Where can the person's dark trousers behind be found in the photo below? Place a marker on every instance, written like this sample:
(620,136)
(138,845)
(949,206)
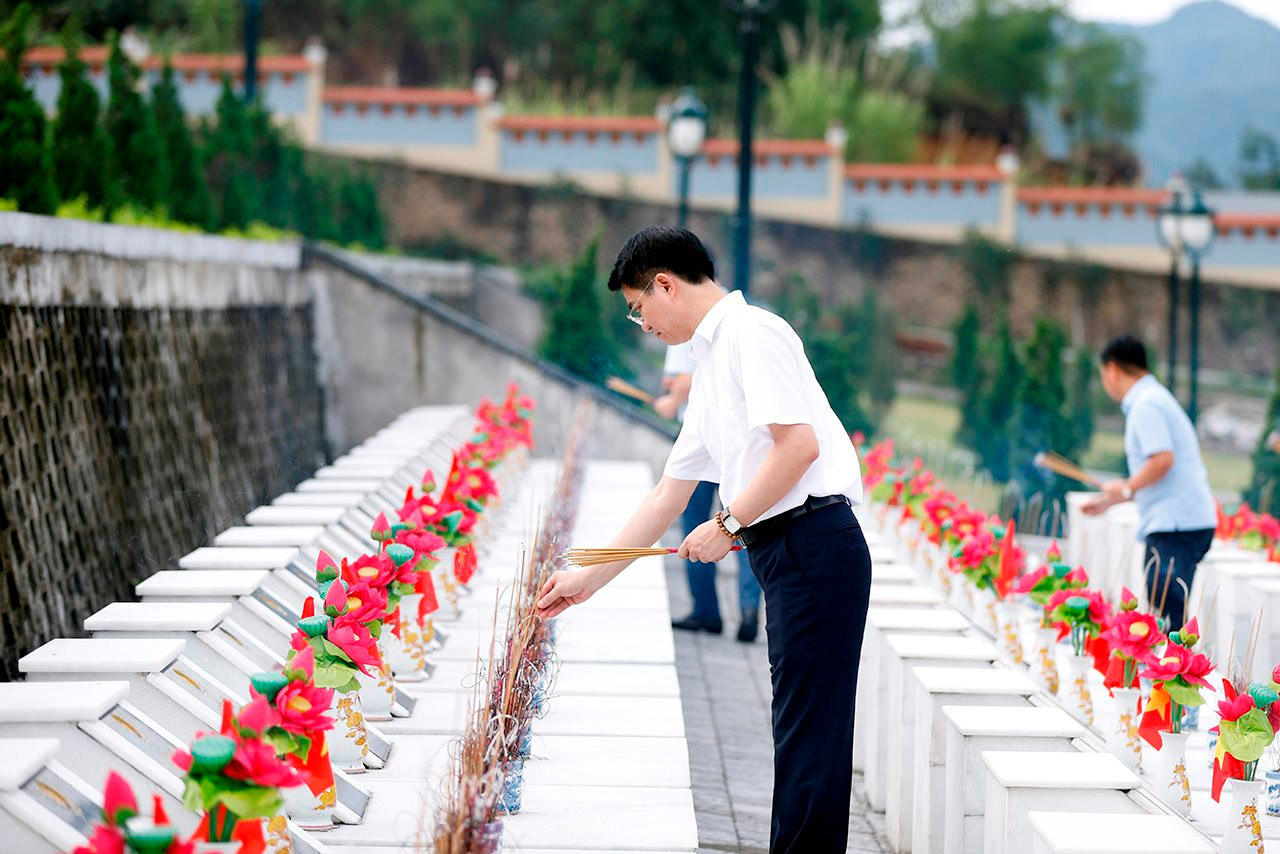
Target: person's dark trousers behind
(1183,551)
(816,576)
(702,576)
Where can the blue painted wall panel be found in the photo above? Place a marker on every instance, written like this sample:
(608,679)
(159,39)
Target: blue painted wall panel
(398,127)
(720,181)
(896,206)
(556,154)
(1069,228)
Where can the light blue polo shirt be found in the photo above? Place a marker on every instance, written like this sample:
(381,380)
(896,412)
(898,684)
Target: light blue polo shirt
(1154,421)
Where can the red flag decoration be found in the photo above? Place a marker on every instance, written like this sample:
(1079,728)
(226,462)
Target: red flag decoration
(464,563)
(1157,717)
(1225,766)
(1008,571)
(309,607)
(1101,652)
(316,769)
(429,603)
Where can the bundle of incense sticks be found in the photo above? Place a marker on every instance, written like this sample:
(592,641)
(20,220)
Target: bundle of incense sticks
(594,557)
(1059,464)
(621,386)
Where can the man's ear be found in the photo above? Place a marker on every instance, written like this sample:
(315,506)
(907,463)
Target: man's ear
(667,282)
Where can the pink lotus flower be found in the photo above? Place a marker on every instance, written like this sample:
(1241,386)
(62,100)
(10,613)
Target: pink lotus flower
(1078,577)
(1233,708)
(377,571)
(302,707)
(381,527)
(257,716)
(256,762)
(1178,661)
(1128,601)
(1025,583)
(304,661)
(118,801)
(105,840)
(1054,554)
(365,603)
(335,598)
(326,567)
(356,643)
(1134,634)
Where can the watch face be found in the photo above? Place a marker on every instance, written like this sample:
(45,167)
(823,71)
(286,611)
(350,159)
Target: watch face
(732,525)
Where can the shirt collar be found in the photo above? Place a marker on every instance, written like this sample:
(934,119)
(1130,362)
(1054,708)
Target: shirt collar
(712,319)
(1130,396)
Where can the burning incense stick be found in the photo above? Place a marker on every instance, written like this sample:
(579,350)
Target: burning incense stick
(621,386)
(1059,464)
(595,557)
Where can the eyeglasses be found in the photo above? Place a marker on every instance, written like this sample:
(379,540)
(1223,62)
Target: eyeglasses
(633,311)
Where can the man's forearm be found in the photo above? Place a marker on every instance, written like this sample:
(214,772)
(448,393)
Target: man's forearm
(782,469)
(655,513)
(1155,468)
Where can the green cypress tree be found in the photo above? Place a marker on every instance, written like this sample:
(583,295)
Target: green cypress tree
(188,191)
(1002,373)
(1040,422)
(26,168)
(575,338)
(138,153)
(228,158)
(1080,403)
(966,373)
(81,147)
(1264,490)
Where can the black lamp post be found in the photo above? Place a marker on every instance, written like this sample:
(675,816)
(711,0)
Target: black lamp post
(686,131)
(1168,233)
(252,13)
(1186,229)
(751,12)
(1197,230)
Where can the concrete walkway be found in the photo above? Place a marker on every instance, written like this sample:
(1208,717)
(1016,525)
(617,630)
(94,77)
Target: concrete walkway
(724,686)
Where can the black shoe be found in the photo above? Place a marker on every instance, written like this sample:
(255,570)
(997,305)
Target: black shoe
(694,624)
(750,626)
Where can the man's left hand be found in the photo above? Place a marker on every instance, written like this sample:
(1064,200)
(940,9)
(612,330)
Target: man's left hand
(1114,489)
(705,543)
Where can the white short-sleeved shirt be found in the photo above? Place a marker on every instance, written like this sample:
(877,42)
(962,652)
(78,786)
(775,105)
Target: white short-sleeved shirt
(679,360)
(752,372)
(1154,421)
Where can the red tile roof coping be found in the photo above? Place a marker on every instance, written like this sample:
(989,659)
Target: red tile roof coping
(96,55)
(400,95)
(920,172)
(598,124)
(768,148)
(1248,223)
(1091,196)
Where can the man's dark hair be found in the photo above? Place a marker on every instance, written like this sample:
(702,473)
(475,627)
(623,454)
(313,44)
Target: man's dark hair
(1127,352)
(661,249)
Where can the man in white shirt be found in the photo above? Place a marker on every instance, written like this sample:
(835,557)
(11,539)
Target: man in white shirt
(759,424)
(677,380)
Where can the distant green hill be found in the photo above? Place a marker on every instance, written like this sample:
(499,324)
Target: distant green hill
(1215,70)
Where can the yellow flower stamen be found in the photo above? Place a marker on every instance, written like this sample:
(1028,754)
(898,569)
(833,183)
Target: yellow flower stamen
(299,704)
(1139,630)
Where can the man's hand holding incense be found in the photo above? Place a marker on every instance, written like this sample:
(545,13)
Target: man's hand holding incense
(568,587)
(705,543)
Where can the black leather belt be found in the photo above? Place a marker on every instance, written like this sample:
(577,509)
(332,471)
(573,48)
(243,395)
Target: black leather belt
(775,525)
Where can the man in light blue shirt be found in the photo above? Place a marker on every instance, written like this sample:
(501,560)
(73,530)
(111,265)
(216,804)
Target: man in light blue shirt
(1167,477)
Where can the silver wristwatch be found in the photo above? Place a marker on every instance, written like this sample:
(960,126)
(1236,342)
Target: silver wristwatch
(732,525)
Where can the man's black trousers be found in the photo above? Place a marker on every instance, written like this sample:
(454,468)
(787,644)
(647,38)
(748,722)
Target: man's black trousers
(816,575)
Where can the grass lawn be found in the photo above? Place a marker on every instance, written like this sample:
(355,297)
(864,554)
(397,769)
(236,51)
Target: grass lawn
(927,427)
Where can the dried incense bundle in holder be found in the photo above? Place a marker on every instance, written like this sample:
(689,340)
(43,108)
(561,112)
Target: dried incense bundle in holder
(595,557)
(1060,465)
(621,386)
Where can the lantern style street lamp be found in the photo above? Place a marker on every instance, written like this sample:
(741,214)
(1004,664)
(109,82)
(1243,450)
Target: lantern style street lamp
(1186,229)
(686,131)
